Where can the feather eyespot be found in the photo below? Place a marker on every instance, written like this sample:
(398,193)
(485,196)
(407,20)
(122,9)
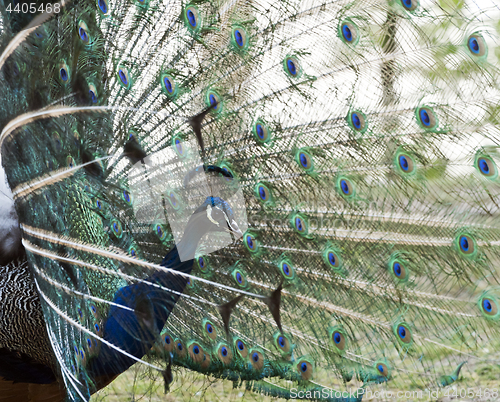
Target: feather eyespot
(192,18)
(76,138)
(305,369)
(263,193)
(239,38)
(196,353)
(357,121)
(241,348)
(168,343)
(345,187)
(210,330)
(382,369)
(94,311)
(405,163)
(214,101)
(283,344)
(426,118)
(225,354)
(466,245)
(349,32)
(126,197)
(133,251)
(178,145)
(64,73)
(180,350)
(202,263)
(261,132)
(257,359)
(70,162)
(338,339)
(206,361)
(300,225)
(409,5)
(287,270)
(489,307)
(477,45)
(305,160)
(332,259)
(83,32)
(92,347)
(116,227)
(250,242)
(487,167)
(160,232)
(93,93)
(240,278)
(83,358)
(227,173)
(398,270)
(103,6)
(403,333)
(292,67)
(169,85)
(124,77)
(98,329)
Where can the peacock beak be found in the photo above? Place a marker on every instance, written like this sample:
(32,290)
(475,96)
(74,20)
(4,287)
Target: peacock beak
(234,229)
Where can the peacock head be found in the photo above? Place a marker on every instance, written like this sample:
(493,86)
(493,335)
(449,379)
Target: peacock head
(215,215)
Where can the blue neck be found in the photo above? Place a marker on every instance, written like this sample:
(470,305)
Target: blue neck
(126,329)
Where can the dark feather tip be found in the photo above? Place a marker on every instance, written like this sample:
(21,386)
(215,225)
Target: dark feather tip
(226,310)
(196,122)
(273,303)
(168,376)
(133,151)
(94,169)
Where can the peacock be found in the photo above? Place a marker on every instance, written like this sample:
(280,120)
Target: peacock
(297,198)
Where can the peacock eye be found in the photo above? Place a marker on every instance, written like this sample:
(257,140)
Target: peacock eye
(83,32)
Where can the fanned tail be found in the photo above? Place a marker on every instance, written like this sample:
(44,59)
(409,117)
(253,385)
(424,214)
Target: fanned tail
(355,144)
